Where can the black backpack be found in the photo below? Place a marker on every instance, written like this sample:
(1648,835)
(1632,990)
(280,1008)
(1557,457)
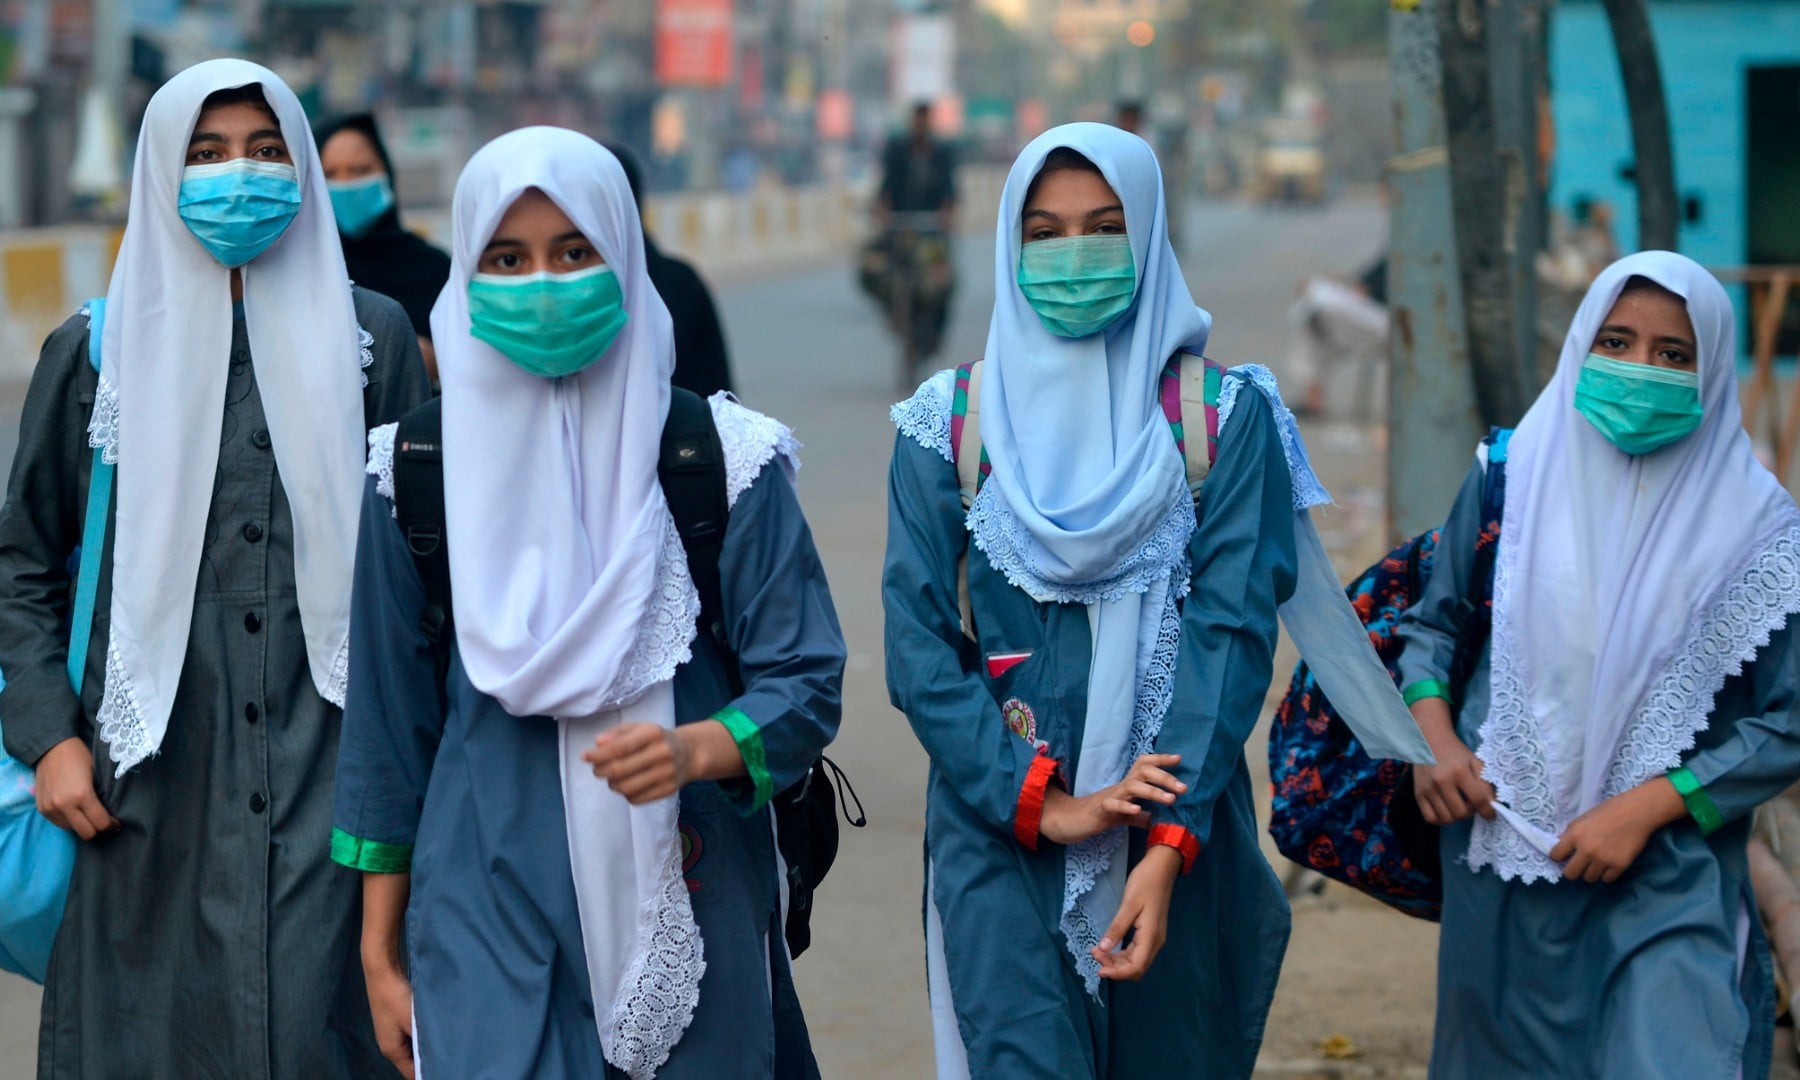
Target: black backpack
(691,467)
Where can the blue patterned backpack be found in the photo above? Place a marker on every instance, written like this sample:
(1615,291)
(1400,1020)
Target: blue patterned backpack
(1338,811)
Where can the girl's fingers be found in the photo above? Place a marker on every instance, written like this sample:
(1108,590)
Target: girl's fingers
(1148,774)
(1138,789)
(1563,849)
(1119,807)
(1577,866)
(1612,874)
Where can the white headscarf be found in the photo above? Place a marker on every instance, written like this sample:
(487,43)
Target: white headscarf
(1628,588)
(165,348)
(570,584)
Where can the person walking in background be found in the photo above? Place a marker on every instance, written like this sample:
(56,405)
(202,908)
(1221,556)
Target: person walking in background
(1634,703)
(918,174)
(1097,904)
(379,253)
(702,365)
(563,795)
(206,932)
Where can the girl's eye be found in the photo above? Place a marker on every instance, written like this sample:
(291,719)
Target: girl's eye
(1676,357)
(1612,343)
(577,254)
(507,261)
(1107,228)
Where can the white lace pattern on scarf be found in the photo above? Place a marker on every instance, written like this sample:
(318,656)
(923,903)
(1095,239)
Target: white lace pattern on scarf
(1085,862)
(660,989)
(381,459)
(1308,491)
(751,440)
(1759,600)
(121,718)
(925,417)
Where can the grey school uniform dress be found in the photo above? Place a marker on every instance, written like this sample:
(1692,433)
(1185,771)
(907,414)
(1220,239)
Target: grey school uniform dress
(436,778)
(1020,1006)
(1665,973)
(212,936)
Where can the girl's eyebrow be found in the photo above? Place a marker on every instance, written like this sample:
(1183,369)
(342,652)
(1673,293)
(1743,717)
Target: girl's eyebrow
(1115,209)
(1040,212)
(1672,339)
(1615,328)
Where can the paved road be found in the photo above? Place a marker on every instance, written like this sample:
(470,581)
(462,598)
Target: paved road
(809,349)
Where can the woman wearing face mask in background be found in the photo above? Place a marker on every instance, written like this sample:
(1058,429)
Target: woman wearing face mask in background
(575,823)
(380,253)
(1634,703)
(206,931)
(1096,901)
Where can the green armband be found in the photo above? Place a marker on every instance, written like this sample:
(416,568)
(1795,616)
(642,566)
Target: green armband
(1423,689)
(1700,805)
(370,856)
(749,741)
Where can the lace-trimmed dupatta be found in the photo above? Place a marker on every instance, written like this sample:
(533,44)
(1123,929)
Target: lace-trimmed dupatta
(161,403)
(1628,588)
(571,588)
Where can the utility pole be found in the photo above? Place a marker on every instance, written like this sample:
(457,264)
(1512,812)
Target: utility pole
(1433,422)
(1635,42)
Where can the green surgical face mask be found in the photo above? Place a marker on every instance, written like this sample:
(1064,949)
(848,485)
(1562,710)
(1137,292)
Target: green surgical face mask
(1078,285)
(1638,407)
(548,324)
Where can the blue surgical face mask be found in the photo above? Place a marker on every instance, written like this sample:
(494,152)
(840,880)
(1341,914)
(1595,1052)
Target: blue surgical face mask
(1078,285)
(360,203)
(1638,407)
(237,208)
(548,324)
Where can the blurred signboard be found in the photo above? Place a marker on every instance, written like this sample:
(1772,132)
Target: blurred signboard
(923,58)
(693,43)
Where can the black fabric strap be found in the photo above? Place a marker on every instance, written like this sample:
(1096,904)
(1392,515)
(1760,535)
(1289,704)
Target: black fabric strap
(419,507)
(692,470)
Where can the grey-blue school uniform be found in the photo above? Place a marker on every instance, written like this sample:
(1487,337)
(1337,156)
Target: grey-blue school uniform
(437,778)
(1666,972)
(1021,1009)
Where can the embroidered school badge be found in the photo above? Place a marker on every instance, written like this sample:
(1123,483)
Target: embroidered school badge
(1020,720)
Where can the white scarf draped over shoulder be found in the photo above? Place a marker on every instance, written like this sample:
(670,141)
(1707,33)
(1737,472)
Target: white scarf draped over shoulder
(1627,588)
(165,355)
(572,595)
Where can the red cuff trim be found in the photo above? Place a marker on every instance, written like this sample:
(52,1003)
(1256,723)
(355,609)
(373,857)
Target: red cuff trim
(1030,814)
(1178,838)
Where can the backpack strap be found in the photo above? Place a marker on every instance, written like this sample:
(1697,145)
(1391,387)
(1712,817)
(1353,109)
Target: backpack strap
(691,467)
(419,508)
(93,529)
(1192,390)
(972,464)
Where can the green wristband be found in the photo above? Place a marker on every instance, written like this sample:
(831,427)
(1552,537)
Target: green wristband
(1425,688)
(1700,805)
(370,856)
(749,741)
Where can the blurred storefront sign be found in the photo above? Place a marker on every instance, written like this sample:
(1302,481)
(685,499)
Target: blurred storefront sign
(923,58)
(693,43)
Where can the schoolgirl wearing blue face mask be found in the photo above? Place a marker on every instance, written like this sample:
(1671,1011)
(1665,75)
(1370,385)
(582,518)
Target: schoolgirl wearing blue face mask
(1121,521)
(1632,704)
(379,251)
(189,762)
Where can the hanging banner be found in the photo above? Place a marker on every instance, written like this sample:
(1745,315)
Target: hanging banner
(923,58)
(693,43)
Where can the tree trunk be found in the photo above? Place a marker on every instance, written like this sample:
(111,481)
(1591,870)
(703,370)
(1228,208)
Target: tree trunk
(1485,193)
(1658,212)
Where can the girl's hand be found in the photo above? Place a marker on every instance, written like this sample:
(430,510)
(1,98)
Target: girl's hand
(1453,789)
(1069,819)
(1144,914)
(1603,843)
(643,762)
(390,1006)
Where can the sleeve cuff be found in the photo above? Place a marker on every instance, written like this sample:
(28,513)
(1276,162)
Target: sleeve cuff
(1030,814)
(1700,805)
(748,736)
(370,856)
(1178,838)
(1425,688)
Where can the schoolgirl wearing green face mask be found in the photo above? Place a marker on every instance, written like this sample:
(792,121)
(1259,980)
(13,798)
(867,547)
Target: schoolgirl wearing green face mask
(1124,509)
(1633,704)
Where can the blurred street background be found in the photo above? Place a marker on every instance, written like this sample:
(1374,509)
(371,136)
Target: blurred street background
(1393,205)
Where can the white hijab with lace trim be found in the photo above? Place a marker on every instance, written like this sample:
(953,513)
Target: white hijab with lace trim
(571,587)
(1628,588)
(161,403)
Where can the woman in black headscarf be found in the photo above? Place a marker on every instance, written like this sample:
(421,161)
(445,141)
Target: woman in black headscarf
(379,254)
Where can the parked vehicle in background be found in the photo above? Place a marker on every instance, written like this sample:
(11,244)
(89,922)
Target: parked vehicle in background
(1290,162)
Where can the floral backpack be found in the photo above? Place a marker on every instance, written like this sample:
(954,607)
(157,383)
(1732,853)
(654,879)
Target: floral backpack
(1338,811)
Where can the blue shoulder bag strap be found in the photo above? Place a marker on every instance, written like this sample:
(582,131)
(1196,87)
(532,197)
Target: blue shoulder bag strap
(93,530)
